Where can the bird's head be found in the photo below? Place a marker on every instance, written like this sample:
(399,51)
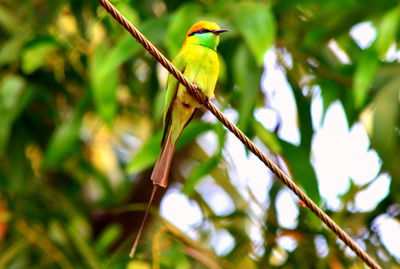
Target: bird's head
(205,33)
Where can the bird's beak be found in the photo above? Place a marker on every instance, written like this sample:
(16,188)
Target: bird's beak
(217,32)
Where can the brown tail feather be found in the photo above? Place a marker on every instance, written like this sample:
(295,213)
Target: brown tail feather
(135,244)
(161,169)
(159,177)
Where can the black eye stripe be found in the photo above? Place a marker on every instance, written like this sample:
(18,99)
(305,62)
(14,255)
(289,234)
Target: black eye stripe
(201,31)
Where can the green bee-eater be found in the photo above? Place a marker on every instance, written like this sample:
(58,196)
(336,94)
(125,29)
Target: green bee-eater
(198,61)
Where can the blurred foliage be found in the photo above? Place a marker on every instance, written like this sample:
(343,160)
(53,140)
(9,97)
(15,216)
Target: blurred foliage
(80,118)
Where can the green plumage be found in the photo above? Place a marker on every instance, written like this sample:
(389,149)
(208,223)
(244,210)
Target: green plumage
(198,61)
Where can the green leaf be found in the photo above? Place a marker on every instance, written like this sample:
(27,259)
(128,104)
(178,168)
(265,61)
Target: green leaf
(221,133)
(104,75)
(364,76)
(303,105)
(268,138)
(104,82)
(65,139)
(81,243)
(154,29)
(11,89)
(35,54)
(298,157)
(206,167)
(180,23)
(247,77)
(14,96)
(200,171)
(128,11)
(385,136)
(175,257)
(148,153)
(121,52)
(387,31)
(10,49)
(330,92)
(193,130)
(298,161)
(63,143)
(107,238)
(257,25)
(8,20)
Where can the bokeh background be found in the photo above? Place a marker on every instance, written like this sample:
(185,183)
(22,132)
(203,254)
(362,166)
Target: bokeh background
(314,83)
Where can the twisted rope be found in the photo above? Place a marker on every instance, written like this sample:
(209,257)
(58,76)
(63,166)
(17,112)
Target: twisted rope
(194,90)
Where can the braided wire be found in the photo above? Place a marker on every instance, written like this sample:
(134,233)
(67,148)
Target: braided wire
(194,90)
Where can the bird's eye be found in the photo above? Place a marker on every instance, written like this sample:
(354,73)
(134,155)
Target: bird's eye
(201,31)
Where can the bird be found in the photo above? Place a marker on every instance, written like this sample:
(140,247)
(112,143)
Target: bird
(198,61)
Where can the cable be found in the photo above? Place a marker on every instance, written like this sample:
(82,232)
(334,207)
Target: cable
(194,90)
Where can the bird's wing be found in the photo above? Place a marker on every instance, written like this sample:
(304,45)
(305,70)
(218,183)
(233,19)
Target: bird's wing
(172,88)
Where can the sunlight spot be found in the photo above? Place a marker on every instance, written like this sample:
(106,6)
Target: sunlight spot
(389,231)
(267,117)
(364,164)
(393,54)
(330,145)
(321,246)
(368,199)
(222,242)
(208,142)
(180,211)
(256,235)
(216,198)
(316,107)
(280,97)
(339,52)
(364,34)
(340,154)
(287,210)
(246,171)
(287,243)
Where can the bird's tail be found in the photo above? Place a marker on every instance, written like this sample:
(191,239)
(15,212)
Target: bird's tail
(161,169)
(159,177)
